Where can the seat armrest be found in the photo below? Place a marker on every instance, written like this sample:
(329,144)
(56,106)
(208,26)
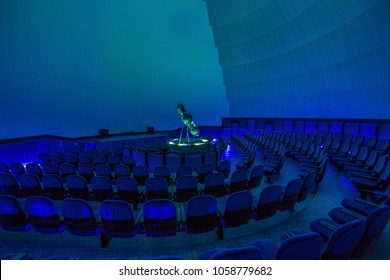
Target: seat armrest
(328,225)
(353,213)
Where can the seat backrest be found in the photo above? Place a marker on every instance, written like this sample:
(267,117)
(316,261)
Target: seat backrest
(256,176)
(194,159)
(376,221)
(370,143)
(127,189)
(159,218)
(225,167)
(4,168)
(290,194)
(156,187)
(344,239)
(155,159)
(17,169)
(201,214)
(244,253)
(30,184)
(79,217)
(50,168)
(103,170)
(52,181)
(67,169)
(8,184)
(214,184)
(139,155)
(43,214)
(306,246)
(186,182)
(117,218)
(268,201)
(77,186)
(122,170)
(12,215)
(238,209)
(162,171)
(383,146)
(308,184)
(363,154)
(204,170)
(359,140)
(184,169)
(238,180)
(173,160)
(34,168)
(101,188)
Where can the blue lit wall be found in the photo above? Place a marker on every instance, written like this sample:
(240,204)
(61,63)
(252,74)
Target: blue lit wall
(304,58)
(72,67)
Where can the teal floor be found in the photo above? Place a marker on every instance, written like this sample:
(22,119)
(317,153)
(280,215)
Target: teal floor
(332,190)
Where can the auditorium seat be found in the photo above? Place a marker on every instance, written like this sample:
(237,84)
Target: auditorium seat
(268,202)
(17,169)
(225,167)
(127,190)
(121,170)
(113,160)
(44,157)
(34,168)
(383,146)
(129,161)
(98,159)
(214,184)
(340,239)
(255,177)
(163,171)
(290,194)
(365,206)
(238,180)
(79,217)
(86,170)
(30,184)
(204,170)
(194,159)
(237,210)
(77,187)
(376,220)
(50,168)
(186,187)
(200,215)
(54,186)
(101,187)
(308,184)
(184,169)
(305,246)
(159,218)
(67,169)
(173,160)
(156,187)
(9,185)
(85,158)
(43,214)
(380,182)
(117,220)
(12,215)
(4,168)
(141,174)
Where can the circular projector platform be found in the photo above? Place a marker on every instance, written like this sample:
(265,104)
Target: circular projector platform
(188,145)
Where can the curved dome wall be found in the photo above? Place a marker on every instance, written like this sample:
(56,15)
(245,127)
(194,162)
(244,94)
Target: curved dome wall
(304,58)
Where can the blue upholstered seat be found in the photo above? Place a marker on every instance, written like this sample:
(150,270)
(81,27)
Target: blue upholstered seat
(43,214)
(305,246)
(12,215)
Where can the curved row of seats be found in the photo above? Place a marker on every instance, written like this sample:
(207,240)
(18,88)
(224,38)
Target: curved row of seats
(185,183)
(140,156)
(158,217)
